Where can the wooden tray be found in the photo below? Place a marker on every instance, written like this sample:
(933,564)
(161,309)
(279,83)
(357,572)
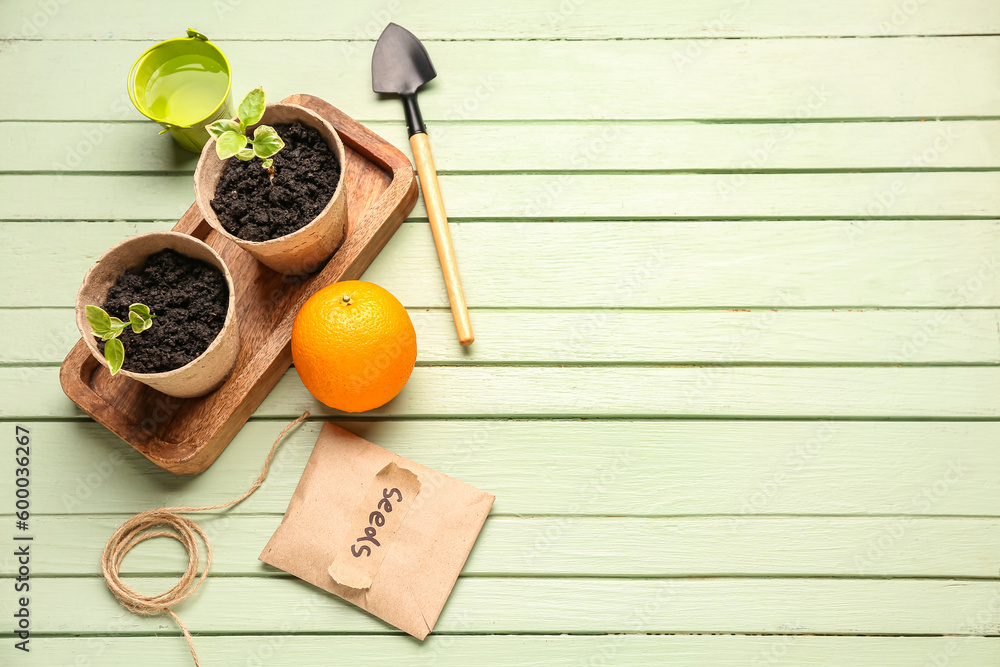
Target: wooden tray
(184,436)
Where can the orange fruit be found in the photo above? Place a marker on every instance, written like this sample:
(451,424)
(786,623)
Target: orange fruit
(353,345)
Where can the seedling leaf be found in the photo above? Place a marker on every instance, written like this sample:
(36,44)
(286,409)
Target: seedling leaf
(267,162)
(266,141)
(114,352)
(229,144)
(141,309)
(98,319)
(220,127)
(245,154)
(251,109)
(138,324)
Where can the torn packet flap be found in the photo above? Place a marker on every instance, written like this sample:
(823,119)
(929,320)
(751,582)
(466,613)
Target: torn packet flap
(390,498)
(383,532)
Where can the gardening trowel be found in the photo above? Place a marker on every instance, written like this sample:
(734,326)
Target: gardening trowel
(401,65)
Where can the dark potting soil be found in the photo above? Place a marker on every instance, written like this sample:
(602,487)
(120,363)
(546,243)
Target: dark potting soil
(189,298)
(252,207)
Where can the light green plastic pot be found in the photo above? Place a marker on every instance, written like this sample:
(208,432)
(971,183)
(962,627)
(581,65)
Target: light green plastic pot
(183,84)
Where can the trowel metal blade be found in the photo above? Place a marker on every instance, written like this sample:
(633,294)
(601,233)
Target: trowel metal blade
(400,63)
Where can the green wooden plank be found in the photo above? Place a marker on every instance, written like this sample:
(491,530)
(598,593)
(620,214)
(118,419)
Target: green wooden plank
(943,392)
(575,195)
(955,336)
(707,264)
(600,468)
(235,19)
(578,145)
(570,606)
(907,77)
(758,392)
(530,651)
(902,546)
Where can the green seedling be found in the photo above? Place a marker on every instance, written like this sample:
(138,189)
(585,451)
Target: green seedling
(108,329)
(231,138)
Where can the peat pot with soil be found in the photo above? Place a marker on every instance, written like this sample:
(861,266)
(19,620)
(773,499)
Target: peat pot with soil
(272,181)
(160,308)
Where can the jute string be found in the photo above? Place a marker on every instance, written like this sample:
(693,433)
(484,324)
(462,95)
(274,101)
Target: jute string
(140,527)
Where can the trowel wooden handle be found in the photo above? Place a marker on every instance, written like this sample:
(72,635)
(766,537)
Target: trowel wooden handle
(442,237)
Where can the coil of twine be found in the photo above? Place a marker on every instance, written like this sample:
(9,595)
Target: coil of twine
(165,522)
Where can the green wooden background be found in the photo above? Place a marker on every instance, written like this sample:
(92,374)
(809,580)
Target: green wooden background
(733,269)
